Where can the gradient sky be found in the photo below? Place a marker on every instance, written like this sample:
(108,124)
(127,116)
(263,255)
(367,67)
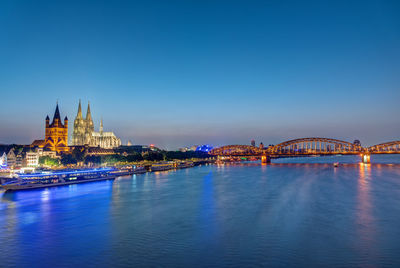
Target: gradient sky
(177,73)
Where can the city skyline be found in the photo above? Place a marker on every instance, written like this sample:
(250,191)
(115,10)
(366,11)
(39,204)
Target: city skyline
(181,74)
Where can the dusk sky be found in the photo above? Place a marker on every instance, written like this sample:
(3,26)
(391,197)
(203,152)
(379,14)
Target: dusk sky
(178,73)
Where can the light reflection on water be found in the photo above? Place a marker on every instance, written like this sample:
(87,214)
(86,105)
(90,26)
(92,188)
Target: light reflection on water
(283,214)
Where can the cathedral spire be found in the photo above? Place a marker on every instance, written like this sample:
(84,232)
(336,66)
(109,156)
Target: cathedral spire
(79,115)
(89,122)
(88,114)
(101,125)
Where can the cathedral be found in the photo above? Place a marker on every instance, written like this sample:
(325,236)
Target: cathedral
(84,133)
(56,135)
(83,127)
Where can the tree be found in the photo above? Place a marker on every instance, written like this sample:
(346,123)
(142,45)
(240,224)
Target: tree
(112,159)
(153,156)
(135,157)
(68,159)
(79,154)
(48,161)
(93,159)
(171,155)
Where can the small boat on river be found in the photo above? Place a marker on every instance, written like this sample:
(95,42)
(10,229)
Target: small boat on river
(163,166)
(186,164)
(139,170)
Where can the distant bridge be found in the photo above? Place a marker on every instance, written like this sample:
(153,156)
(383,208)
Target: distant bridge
(307,147)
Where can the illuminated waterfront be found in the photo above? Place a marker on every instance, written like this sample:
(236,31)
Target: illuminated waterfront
(308,213)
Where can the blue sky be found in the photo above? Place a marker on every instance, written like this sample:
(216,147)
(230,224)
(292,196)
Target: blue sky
(178,73)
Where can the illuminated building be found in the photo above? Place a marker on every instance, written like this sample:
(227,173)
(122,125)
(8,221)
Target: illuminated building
(11,158)
(31,159)
(99,151)
(3,161)
(204,148)
(102,139)
(84,133)
(56,136)
(38,143)
(23,156)
(83,127)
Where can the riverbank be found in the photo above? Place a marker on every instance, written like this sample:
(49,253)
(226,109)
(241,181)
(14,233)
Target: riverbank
(162,166)
(125,170)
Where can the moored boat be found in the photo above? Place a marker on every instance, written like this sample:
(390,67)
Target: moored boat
(186,164)
(58,178)
(139,170)
(162,166)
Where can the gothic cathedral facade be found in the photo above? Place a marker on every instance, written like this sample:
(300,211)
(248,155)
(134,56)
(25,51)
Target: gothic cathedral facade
(84,133)
(83,127)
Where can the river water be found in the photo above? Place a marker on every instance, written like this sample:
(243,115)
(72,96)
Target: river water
(304,214)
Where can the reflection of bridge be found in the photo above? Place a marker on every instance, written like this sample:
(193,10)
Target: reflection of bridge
(307,147)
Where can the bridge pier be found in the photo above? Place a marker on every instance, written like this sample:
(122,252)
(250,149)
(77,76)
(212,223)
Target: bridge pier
(366,158)
(265,159)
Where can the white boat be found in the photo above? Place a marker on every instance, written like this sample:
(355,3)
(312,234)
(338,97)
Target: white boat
(58,178)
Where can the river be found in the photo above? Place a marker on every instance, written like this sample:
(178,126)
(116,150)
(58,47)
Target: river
(300,212)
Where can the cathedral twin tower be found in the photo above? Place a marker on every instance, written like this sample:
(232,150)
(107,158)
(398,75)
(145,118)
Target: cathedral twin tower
(83,127)
(84,133)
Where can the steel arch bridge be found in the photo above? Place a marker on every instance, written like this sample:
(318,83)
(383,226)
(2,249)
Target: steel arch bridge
(391,147)
(307,147)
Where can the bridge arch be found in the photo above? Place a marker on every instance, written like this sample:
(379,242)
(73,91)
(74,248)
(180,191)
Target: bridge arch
(387,147)
(314,145)
(237,150)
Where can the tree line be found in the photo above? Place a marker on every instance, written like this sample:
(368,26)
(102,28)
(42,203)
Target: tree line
(78,156)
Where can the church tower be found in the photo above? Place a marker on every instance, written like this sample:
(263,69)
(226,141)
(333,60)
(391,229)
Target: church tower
(83,127)
(56,133)
(101,126)
(89,126)
(78,135)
